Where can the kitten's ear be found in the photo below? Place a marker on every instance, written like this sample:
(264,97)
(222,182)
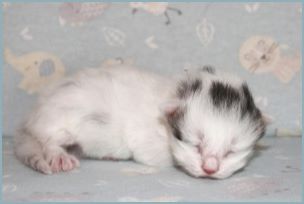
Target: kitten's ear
(267,119)
(170,108)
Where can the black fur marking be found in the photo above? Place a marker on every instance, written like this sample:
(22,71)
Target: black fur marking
(261,129)
(248,106)
(223,95)
(186,88)
(182,90)
(208,68)
(177,133)
(196,86)
(174,122)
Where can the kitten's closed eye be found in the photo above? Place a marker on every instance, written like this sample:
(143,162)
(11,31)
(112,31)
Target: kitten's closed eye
(228,153)
(199,148)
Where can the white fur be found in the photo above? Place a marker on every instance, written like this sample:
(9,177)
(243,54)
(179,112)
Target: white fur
(117,112)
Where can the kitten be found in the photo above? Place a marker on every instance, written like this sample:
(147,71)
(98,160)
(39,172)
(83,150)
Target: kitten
(203,121)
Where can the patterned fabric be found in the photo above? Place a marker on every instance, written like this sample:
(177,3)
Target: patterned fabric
(261,42)
(274,176)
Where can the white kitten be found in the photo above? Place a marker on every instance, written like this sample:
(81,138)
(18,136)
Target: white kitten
(204,122)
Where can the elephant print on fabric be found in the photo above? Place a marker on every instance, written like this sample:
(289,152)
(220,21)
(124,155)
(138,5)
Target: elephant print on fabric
(37,68)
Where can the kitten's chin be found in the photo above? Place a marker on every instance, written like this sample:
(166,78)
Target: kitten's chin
(227,173)
(191,172)
(220,176)
(203,175)
(213,176)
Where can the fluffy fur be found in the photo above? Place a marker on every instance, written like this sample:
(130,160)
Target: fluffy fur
(203,121)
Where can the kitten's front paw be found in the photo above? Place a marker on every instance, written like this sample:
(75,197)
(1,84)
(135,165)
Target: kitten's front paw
(39,164)
(63,162)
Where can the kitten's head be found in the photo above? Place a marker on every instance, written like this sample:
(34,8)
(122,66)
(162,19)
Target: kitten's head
(214,123)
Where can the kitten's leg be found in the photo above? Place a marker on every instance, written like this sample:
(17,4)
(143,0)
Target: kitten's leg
(29,151)
(46,157)
(99,139)
(152,148)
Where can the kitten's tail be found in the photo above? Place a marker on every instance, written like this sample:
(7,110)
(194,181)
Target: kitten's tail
(29,151)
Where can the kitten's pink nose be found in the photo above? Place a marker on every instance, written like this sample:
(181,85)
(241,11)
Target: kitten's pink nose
(210,165)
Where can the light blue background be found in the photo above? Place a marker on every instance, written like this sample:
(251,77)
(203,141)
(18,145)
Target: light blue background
(178,46)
